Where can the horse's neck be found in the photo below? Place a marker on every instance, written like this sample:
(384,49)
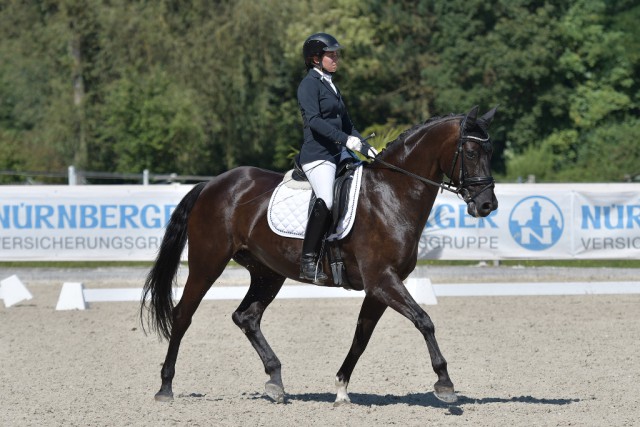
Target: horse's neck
(433,149)
(424,150)
(426,153)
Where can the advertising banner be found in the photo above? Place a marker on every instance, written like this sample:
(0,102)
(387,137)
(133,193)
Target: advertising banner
(539,221)
(90,223)
(533,221)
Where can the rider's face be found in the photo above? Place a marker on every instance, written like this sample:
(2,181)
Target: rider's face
(330,61)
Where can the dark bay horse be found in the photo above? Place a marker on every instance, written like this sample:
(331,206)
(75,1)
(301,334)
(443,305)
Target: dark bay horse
(226,219)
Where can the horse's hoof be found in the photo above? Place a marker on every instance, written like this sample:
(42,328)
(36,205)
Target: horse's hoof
(164,397)
(445,394)
(342,397)
(446,397)
(274,391)
(341,402)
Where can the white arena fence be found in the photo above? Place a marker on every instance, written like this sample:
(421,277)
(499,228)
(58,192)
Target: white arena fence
(74,295)
(126,223)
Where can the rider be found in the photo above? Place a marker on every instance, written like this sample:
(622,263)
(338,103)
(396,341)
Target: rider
(327,130)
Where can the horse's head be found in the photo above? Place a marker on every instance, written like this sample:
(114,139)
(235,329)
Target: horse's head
(471,166)
(457,146)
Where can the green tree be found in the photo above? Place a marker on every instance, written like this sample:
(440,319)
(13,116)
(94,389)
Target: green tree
(199,87)
(151,124)
(598,89)
(503,54)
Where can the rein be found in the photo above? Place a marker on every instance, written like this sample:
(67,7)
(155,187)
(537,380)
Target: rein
(442,185)
(465,181)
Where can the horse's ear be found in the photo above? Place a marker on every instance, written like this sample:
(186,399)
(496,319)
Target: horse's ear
(472,115)
(488,116)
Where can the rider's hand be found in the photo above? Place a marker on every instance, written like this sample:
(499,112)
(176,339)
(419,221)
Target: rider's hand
(369,151)
(354,143)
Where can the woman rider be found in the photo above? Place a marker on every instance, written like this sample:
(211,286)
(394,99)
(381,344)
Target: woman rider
(327,130)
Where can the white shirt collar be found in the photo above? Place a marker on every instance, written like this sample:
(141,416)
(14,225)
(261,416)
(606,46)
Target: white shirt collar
(327,77)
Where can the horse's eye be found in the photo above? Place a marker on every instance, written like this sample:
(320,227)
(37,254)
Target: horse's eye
(470,154)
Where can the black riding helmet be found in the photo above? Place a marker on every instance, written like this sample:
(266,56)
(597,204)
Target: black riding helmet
(316,45)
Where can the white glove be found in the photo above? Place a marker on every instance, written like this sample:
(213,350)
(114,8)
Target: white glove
(372,152)
(354,143)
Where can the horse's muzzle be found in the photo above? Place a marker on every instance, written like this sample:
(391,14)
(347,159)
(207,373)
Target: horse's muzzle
(483,209)
(482,202)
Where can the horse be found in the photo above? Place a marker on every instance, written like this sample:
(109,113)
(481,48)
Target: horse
(226,218)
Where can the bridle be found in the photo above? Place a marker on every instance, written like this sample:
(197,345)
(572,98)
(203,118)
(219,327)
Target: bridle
(465,181)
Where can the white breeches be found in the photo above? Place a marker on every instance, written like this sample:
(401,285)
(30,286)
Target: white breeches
(321,175)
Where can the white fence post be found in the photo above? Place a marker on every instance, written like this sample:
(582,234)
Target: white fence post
(73,179)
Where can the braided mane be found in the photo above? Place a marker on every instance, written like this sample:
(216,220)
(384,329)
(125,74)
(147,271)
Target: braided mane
(428,123)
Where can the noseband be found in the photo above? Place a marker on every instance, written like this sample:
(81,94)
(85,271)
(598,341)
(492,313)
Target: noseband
(465,182)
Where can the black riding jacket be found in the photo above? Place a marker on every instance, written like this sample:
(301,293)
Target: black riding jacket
(326,122)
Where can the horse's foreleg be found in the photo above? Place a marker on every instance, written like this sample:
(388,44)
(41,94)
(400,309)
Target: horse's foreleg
(182,315)
(398,298)
(370,312)
(247,317)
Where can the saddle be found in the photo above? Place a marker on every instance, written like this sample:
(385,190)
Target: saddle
(341,188)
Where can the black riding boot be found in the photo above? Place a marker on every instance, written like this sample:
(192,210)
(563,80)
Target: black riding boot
(316,229)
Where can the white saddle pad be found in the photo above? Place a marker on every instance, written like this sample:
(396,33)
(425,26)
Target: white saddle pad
(289,207)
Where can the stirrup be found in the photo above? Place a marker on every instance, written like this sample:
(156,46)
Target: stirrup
(317,278)
(309,271)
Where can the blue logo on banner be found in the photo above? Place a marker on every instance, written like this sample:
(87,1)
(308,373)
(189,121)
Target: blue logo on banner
(536,223)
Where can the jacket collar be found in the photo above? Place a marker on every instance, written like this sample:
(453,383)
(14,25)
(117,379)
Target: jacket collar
(314,72)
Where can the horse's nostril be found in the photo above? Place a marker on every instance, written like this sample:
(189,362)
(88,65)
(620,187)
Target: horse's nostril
(485,209)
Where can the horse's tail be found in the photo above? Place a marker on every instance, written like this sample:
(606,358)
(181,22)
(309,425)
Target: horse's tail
(160,280)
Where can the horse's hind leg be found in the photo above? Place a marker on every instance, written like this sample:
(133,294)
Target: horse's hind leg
(265,285)
(195,289)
